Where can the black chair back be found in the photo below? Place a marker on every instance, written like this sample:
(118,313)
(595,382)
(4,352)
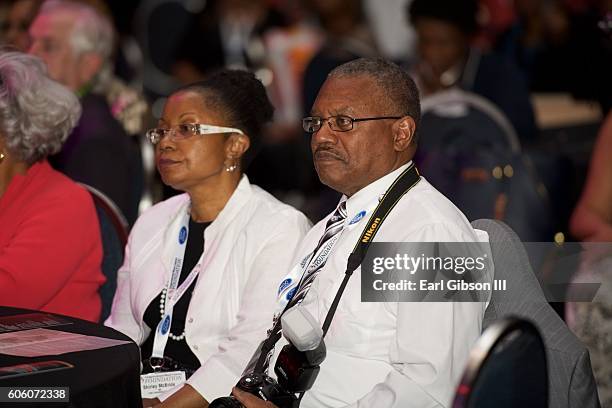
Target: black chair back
(114,230)
(507,368)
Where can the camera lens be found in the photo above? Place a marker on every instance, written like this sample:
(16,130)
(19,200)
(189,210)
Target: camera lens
(226,402)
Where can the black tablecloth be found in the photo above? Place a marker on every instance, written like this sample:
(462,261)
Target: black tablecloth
(108,377)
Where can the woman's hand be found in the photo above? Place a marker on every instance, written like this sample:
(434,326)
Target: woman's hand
(251,401)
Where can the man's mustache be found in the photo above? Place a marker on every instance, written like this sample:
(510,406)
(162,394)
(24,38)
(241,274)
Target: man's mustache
(327,151)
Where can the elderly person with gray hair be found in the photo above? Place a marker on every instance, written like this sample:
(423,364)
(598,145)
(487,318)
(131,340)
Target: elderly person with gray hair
(76,43)
(50,247)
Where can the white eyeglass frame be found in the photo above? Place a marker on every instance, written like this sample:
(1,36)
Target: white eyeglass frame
(199,129)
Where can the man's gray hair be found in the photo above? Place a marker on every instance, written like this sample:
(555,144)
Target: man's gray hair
(36,113)
(92,32)
(396,84)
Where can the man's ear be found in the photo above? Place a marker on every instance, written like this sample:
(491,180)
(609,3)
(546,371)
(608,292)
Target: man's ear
(236,145)
(403,133)
(90,64)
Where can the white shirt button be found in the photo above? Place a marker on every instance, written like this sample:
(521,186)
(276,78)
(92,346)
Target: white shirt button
(195,346)
(190,320)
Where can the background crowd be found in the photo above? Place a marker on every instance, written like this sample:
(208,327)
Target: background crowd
(545,64)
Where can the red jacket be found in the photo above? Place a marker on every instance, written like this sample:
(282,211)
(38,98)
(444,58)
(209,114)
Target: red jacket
(50,245)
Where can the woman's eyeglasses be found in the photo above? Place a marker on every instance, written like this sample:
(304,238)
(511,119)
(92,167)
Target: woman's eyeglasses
(186,130)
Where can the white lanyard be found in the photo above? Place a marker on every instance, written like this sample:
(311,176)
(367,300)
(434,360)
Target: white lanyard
(289,284)
(173,294)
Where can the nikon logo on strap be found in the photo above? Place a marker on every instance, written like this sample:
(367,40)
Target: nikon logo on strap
(370,231)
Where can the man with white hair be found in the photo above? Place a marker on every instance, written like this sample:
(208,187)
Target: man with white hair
(76,43)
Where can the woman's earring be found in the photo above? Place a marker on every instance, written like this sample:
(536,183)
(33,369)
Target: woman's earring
(1,157)
(231,167)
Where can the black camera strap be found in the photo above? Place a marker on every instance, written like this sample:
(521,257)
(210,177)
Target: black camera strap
(402,184)
(408,179)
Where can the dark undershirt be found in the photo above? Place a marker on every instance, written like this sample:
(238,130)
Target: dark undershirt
(178,350)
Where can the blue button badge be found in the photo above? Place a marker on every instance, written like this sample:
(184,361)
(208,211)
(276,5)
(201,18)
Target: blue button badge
(165,325)
(284,285)
(183,235)
(291,293)
(358,217)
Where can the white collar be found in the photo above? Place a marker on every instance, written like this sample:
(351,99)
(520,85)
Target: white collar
(367,198)
(239,198)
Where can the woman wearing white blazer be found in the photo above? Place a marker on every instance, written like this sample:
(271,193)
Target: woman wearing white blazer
(201,269)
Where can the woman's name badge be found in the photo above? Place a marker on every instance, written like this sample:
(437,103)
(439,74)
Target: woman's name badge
(154,384)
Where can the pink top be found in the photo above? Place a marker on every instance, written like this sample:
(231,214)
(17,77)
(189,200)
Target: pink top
(50,245)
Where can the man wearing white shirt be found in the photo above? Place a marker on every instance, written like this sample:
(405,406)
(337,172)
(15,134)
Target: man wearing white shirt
(400,354)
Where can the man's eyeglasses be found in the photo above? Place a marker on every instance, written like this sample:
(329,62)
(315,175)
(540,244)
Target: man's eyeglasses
(186,130)
(339,123)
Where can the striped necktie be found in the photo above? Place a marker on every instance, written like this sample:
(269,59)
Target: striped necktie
(317,261)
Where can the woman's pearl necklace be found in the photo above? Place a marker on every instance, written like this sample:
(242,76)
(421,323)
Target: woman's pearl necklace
(162,310)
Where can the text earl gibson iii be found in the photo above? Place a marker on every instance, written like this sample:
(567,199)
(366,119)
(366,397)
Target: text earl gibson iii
(442,285)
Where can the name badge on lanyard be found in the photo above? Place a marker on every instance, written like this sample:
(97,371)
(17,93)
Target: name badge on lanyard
(154,384)
(174,293)
(290,283)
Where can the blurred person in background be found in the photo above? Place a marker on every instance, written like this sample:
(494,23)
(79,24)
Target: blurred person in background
(127,104)
(226,33)
(346,36)
(50,245)
(239,236)
(115,80)
(76,43)
(592,222)
(18,20)
(445,29)
(592,218)
(551,43)
(221,34)
(494,18)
